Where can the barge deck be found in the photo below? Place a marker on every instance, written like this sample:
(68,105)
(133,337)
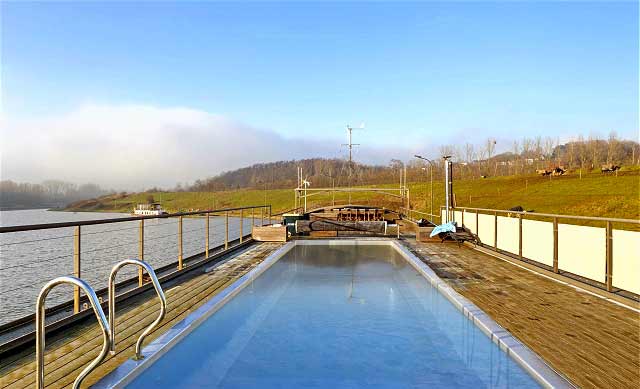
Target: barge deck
(593,342)
(590,340)
(65,357)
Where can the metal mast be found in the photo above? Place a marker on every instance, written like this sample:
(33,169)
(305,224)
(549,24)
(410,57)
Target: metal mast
(350,145)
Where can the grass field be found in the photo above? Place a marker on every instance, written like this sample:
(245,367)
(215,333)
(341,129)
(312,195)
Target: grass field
(594,194)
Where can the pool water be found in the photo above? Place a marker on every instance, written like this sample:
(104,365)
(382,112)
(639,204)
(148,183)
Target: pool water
(336,317)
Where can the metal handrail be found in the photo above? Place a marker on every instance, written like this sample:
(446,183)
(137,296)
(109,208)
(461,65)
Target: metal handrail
(32,227)
(112,303)
(40,328)
(574,217)
(409,211)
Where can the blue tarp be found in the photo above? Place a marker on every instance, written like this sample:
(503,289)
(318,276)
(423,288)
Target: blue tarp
(446,227)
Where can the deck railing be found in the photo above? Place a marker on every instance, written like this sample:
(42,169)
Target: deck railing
(416,215)
(89,249)
(589,248)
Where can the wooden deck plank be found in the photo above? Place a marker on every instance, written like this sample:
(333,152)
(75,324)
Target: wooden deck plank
(593,342)
(64,359)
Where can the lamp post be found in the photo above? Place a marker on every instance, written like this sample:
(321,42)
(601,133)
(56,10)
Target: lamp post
(333,188)
(306,184)
(431,179)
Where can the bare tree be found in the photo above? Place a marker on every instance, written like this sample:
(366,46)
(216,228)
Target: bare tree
(490,146)
(516,154)
(583,153)
(594,153)
(549,144)
(571,152)
(468,157)
(468,152)
(538,146)
(613,148)
(527,145)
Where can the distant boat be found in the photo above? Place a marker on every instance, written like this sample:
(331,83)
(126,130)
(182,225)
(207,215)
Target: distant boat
(153,209)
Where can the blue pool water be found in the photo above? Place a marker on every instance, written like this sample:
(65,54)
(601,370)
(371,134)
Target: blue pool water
(336,317)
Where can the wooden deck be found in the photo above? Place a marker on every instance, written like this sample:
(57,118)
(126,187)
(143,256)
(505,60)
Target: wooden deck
(67,356)
(593,342)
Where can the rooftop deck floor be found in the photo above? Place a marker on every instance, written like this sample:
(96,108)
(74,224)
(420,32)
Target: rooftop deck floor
(66,356)
(591,341)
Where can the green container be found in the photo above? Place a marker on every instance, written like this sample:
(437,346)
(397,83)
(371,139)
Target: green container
(290,221)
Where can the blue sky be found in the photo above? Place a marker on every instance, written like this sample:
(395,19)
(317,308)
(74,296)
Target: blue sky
(418,74)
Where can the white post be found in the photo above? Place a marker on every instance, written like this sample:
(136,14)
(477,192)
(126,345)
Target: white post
(447,184)
(446,190)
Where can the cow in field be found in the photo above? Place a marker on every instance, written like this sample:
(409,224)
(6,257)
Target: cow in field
(609,168)
(543,172)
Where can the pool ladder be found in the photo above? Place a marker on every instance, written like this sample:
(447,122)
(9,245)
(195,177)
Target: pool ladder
(107,328)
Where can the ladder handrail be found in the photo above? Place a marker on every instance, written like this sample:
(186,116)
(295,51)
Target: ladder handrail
(40,327)
(112,302)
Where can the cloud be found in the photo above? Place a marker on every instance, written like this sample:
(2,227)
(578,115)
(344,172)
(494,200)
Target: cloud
(137,146)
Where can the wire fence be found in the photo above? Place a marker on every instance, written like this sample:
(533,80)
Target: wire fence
(31,258)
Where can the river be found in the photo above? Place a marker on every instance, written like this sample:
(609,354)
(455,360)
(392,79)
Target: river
(29,259)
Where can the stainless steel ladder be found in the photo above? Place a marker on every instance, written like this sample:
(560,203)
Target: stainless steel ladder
(107,326)
(112,303)
(40,328)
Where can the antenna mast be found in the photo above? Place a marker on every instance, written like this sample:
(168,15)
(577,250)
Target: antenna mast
(350,145)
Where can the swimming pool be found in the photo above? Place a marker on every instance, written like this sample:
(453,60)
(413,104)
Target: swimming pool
(345,314)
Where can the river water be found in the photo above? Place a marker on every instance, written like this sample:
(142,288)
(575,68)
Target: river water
(29,259)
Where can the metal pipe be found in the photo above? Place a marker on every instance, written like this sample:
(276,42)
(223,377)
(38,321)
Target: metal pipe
(76,269)
(555,245)
(112,303)
(141,252)
(495,230)
(447,193)
(609,256)
(226,230)
(520,236)
(40,328)
(206,240)
(180,243)
(241,225)
(431,187)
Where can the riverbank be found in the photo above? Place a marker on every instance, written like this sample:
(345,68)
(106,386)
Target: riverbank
(593,194)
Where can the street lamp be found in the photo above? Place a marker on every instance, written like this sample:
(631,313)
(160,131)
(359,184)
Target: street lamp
(306,184)
(431,173)
(333,188)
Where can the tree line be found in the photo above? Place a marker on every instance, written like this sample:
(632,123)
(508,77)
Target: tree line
(471,161)
(48,194)
(530,154)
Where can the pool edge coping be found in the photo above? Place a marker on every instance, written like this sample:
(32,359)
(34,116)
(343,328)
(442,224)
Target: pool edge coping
(531,362)
(539,370)
(131,369)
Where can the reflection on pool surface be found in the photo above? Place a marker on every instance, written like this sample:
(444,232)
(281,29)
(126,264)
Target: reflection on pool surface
(336,316)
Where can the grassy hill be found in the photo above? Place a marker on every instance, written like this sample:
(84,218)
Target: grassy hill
(594,194)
